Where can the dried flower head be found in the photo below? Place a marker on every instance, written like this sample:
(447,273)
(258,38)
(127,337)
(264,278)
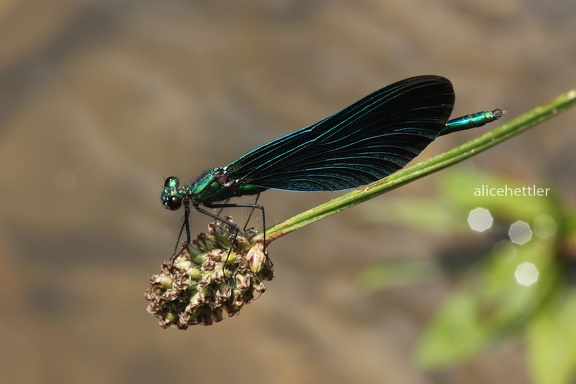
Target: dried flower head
(213,274)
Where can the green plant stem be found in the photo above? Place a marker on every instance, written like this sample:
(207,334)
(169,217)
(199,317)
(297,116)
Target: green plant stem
(436,163)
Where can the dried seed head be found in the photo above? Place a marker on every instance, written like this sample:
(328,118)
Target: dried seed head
(212,275)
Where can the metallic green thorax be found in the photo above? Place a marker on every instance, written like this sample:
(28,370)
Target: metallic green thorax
(212,186)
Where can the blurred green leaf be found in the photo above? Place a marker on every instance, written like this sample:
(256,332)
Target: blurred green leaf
(429,215)
(552,341)
(493,307)
(570,222)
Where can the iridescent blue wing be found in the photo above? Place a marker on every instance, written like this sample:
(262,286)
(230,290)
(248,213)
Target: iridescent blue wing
(362,143)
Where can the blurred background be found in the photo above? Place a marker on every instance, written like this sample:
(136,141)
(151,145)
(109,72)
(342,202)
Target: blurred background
(101,100)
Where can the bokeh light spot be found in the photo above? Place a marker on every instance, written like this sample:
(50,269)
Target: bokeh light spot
(545,226)
(526,274)
(520,232)
(480,219)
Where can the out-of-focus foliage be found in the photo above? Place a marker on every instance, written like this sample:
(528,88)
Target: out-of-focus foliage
(521,285)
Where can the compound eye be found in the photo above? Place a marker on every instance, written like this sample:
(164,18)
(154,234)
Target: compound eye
(173,203)
(172,182)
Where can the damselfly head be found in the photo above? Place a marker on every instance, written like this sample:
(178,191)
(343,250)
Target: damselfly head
(170,197)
